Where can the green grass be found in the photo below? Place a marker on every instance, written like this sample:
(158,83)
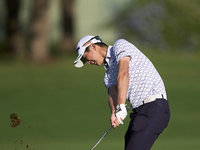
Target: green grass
(62,107)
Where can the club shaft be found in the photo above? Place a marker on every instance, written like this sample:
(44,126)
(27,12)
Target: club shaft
(102,137)
(106,133)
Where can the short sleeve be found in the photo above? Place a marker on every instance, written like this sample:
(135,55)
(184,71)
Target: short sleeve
(122,49)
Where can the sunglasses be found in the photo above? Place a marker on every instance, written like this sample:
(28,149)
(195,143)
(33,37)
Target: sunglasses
(89,41)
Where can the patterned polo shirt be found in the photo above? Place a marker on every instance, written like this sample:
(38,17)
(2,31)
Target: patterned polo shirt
(144,80)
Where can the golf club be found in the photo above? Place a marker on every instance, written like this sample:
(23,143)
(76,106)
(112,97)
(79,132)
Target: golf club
(127,107)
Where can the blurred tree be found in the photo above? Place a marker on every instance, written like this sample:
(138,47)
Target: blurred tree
(68,43)
(39,31)
(157,23)
(181,24)
(14,38)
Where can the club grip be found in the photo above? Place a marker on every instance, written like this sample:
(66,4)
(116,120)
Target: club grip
(127,108)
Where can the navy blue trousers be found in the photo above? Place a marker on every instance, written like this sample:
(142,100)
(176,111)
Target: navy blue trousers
(147,122)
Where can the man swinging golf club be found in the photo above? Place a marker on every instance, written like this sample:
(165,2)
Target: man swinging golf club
(131,76)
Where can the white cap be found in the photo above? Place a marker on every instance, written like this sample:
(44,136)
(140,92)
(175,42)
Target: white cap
(82,45)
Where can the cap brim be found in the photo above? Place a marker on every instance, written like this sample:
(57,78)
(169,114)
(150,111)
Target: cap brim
(78,62)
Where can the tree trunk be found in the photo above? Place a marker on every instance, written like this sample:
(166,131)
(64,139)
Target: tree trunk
(40,31)
(14,38)
(68,43)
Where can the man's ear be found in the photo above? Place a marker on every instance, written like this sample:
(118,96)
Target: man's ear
(93,46)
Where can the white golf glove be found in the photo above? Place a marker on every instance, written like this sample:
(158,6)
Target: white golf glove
(121,112)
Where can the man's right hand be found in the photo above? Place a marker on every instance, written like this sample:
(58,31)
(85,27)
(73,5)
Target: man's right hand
(114,121)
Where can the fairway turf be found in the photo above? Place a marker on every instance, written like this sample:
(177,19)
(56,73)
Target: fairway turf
(62,107)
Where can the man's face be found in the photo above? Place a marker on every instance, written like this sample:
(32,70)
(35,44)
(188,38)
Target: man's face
(93,56)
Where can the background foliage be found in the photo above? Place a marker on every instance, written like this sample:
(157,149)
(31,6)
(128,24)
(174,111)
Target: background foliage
(160,23)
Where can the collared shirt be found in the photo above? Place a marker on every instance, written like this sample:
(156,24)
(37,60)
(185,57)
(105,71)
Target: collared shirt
(144,80)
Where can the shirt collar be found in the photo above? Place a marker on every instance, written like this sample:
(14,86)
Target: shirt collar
(108,56)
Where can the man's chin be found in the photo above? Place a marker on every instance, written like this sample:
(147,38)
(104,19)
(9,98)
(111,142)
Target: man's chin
(99,64)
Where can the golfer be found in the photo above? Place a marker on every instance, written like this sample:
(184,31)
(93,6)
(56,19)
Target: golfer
(131,76)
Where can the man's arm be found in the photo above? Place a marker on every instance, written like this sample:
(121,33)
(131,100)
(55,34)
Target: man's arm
(112,100)
(117,94)
(123,79)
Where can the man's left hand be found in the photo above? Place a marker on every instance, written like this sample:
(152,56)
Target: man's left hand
(121,112)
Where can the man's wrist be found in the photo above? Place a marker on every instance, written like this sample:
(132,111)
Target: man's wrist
(121,112)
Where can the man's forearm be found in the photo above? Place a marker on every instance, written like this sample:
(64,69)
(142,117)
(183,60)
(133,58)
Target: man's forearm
(123,82)
(112,99)
(111,104)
